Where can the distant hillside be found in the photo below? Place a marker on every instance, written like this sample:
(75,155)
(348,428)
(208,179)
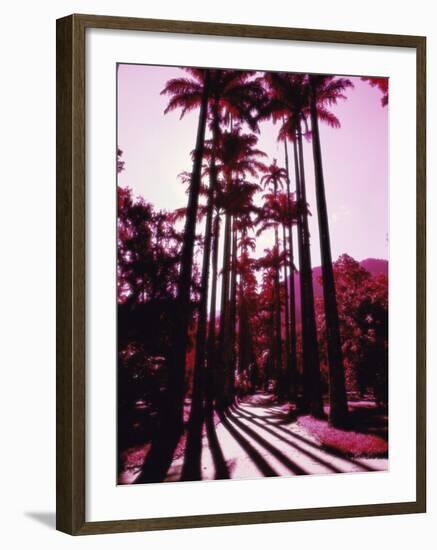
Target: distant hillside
(373,265)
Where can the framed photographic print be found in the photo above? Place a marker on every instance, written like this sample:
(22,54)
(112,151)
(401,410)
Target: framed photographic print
(240,274)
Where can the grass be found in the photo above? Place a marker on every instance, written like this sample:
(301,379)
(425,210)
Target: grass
(347,442)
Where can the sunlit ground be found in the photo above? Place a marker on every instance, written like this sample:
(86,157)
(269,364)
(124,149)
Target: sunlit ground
(258,438)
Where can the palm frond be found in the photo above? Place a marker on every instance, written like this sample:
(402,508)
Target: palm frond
(328,117)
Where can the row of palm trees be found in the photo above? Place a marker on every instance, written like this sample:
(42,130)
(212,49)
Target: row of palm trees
(229,101)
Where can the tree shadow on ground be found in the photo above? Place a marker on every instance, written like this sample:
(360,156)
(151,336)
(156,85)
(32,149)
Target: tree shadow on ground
(291,442)
(274,451)
(221,467)
(281,425)
(262,465)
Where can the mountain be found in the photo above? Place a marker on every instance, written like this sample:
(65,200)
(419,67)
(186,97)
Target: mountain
(374,266)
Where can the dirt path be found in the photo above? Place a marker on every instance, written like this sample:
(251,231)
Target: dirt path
(256,438)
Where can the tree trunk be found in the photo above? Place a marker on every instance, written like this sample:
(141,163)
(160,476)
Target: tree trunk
(224,317)
(246,355)
(192,459)
(211,344)
(292,291)
(242,352)
(286,385)
(311,368)
(338,414)
(231,339)
(247,359)
(277,312)
(278,339)
(160,456)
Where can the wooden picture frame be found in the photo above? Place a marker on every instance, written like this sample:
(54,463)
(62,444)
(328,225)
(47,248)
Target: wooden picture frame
(71,253)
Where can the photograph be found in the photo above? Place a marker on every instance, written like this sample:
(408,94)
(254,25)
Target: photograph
(252,274)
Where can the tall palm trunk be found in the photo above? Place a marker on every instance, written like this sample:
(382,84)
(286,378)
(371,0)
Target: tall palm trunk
(302,284)
(192,459)
(311,368)
(224,316)
(244,335)
(243,360)
(337,387)
(278,339)
(231,339)
(246,353)
(242,352)
(292,292)
(211,344)
(277,316)
(159,458)
(286,384)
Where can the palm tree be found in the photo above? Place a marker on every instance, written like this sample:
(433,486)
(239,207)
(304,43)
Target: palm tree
(280,210)
(247,362)
(219,153)
(325,91)
(274,178)
(211,341)
(292,218)
(233,308)
(271,263)
(236,157)
(187,95)
(192,459)
(287,217)
(231,94)
(286,388)
(289,104)
(311,378)
(237,202)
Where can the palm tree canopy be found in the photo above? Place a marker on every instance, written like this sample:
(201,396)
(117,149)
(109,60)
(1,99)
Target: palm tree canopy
(245,242)
(236,155)
(237,198)
(237,96)
(271,260)
(185,93)
(288,102)
(274,176)
(277,210)
(234,94)
(327,90)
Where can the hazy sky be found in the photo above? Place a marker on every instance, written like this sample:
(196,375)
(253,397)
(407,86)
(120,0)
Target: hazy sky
(156,148)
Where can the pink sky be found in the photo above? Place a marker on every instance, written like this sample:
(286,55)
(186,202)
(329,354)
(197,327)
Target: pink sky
(156,148)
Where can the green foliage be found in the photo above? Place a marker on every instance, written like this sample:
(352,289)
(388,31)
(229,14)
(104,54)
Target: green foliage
(362,301)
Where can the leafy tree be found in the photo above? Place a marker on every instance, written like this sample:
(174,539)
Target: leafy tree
(147,266)
(363,313)
(381,84)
